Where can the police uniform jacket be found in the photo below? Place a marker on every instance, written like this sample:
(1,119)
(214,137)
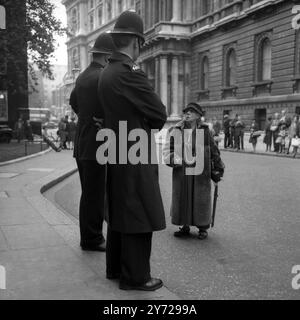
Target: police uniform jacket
(135,204)
(84,101)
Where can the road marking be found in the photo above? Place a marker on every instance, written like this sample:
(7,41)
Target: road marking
(8,175)
(41,169)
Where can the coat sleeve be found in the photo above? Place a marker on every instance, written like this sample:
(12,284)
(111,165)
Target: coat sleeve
(73,101)
(140,94)
(171,158)
(217,163)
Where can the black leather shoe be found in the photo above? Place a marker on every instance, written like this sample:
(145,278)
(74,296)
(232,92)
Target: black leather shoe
(99,247)
(152,285)
(183,232)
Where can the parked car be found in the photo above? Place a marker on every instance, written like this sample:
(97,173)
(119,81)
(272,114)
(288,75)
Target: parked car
(6,133)
(50,125)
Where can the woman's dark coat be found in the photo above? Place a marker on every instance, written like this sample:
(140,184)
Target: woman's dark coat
(191,195)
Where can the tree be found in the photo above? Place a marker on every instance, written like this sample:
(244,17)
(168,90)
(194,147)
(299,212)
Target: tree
(42,26)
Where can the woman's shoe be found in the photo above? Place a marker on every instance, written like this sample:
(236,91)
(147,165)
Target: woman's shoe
(202,234)
(183,232)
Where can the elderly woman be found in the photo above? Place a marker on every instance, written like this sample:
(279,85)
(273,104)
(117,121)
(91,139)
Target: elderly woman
(192,153)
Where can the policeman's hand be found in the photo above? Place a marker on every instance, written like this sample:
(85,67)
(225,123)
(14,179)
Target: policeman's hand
(98,123)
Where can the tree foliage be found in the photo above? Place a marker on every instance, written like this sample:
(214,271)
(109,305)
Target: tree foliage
(41,28)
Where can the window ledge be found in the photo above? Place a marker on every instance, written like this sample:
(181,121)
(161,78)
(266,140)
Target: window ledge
(262,83)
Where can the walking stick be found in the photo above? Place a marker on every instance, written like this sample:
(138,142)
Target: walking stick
(215,204)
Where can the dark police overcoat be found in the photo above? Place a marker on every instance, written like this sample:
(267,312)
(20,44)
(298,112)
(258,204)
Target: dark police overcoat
(135,203)
(84,101)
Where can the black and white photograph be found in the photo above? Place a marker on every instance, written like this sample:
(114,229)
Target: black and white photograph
(150,151)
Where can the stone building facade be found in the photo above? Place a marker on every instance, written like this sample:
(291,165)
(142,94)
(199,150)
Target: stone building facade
(231,56)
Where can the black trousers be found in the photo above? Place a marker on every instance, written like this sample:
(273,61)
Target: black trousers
(129,255)
(227,140)
(92,201)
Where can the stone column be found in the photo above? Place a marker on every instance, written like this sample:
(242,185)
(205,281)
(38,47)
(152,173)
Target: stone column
(83,58)
(174,105)
(157,75)
(164,79)
(82,7)
(187,76)
(176,10)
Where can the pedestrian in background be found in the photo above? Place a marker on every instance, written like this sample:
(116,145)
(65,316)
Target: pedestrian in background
(232,131)
(254,135)
(217,130)
(239,134)
(135,204)
(191,194)
(226,128)
(19,130)
(85,103)
(72,132)
(62,133)
(28,131)
(268,135)
(275,131)
(67,141)
(293,132)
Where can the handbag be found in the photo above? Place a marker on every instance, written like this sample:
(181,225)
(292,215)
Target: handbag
(256,134)
(295,142)
(278,140)
(274,128)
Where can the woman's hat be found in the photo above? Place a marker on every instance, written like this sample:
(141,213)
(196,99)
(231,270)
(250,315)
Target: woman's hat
(195,107)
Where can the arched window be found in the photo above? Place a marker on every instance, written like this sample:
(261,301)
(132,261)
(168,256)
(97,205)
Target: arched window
(75,59)
(265,62)
(2,18)
(231,68)
(204,73)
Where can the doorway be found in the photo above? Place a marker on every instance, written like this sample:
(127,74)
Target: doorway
(260,118)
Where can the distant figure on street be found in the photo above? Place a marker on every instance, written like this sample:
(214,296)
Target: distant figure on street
(239,133)
(28,131)
(226,128)
(62,127)
(85,103)
(268,135)
(72,132)
(254,135)
(217,130)
(67,141)
(232,131)
(19,130)
(135,204)
(293,132)
(191,194)
(275,131)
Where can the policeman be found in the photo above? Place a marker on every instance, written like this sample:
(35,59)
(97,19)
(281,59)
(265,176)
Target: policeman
(135,204)
(84,102)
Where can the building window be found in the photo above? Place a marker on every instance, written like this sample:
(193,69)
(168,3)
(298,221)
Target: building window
(100,15)
(296,84)
(91,21)
(108,10)
(91,5)
(205,7)
(229,71)
(263,64)
(2,18)
(203,77)
(138,8)
(120,6)
(74,22)
(265,60)
(75,59)
(204,74)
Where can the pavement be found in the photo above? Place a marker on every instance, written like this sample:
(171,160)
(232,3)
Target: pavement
(39,244)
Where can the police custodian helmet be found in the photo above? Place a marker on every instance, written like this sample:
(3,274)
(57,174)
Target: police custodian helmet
(103,44)
(130,23)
